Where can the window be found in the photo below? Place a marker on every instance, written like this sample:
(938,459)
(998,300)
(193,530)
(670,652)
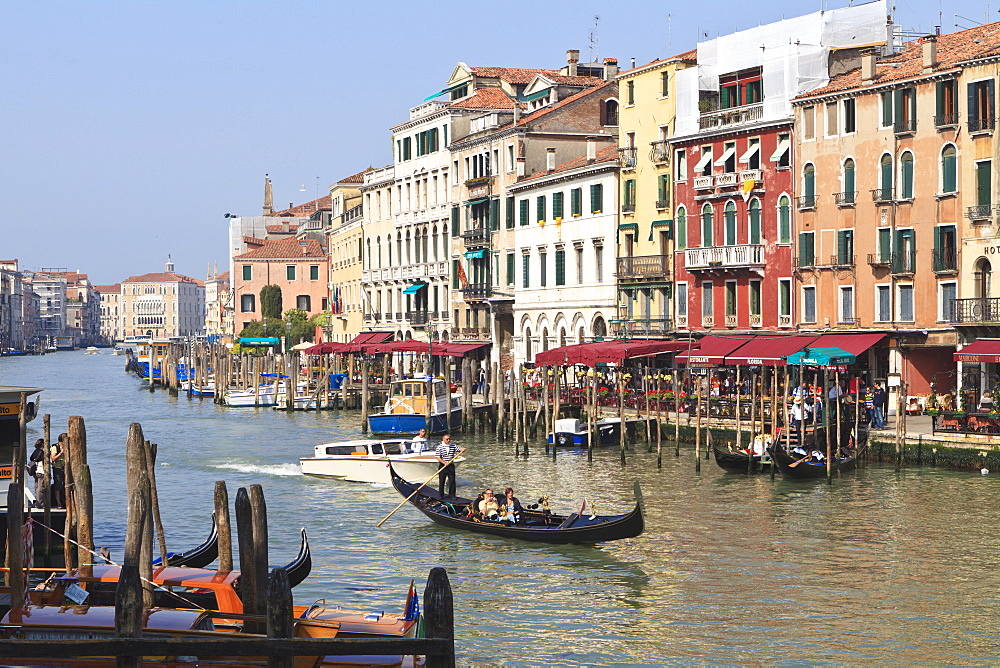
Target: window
(831,119)
(248,303)
(525,270)
(543,260)
(579,264)
(706,299)
(728,158)
(808,303)
(509,214)
(314,272)
(731,298)
(494,214)
(706,226)
(884,244)
(848,194)
(883,304)
(808,123)
(596,198)
(524,212)
(946,109)
(785,297)
(557,206)
(906,176)
(704,166)
(755,297)
(905,296)
(782,153)
(247,272)
(455,284)
(576,202)
(510,269)
(406,148)
(682,300)
(540,209)
(945,248)
(630,92)
(599,257)
(560,266)
(949,169)
(610,112)
(947,292)
(290,272)
(807,247)
(740,88)
(887,109)
(808,186)
(905,117)
(752,156)
(730,220)
(904,252)
(681,228)
(628,206)
(984,181)
(753,212)
(454,232)
(662,191)
(680,165)
(885,179)
(850,118)
(846,303)
(784,220)
(303,302)
(845,247)
(981,105)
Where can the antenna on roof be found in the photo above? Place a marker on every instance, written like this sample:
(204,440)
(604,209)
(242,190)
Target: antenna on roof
(593,39)
(670,38)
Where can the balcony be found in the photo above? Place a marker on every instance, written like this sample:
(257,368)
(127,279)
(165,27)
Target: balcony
(481,186)
(644,266)
(784,321)
(879,259)
(755,320)
(726,180)
(882,195)
(730,320)
(477,291)
(946,260)
(907,127)
(751,175)
(418,318)
(848,198)
(707,320)
(977,310)
(639,327)
(626,157)
(628,207)
(904,263)
(730,117)
(805,202)
(725,257)
(662,204)
(703,183)
(473,334)
(842,261)
(659,152)
(477,236)
(979,212)
(981,124)
(804,261)
(944,120)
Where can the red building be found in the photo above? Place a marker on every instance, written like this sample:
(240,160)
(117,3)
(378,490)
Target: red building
(733,197)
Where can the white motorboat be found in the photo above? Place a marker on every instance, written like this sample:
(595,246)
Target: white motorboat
(92,350)
(368,461)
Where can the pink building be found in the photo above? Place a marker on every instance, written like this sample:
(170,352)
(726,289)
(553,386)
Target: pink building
(300,267)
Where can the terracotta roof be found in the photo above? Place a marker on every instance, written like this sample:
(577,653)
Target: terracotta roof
(952,49)
(224,276)
(68,275)
(531,118)
(282,228)
(356,178)
(162,277)
(688,57)
(324,203)
(486,98)
(292,249)
(567,80)
(253,241)
(514,75)
(109,289)
(606,154)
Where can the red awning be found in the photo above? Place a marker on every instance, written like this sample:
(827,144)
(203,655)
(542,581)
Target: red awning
(324,348)
(712,350)
(852,343)
(365,338)
(420,347)
(769,351)
(613,351)
(981,351)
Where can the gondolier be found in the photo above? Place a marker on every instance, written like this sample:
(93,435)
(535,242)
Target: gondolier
(446,453)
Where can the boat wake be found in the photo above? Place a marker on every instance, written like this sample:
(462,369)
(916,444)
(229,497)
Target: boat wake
(267,469)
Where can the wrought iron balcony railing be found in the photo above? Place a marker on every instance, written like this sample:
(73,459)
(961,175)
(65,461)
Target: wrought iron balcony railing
(879,259)
(476,235)
(477,291)
(981,124)
(882,195)
(941,120)
(418,318)
(641,326)
(976,310)
(904,263)
(946,259)
(806,202)
(626,157)
(846,198)
(840,260)
(905,127)
(644,266)
(659,151)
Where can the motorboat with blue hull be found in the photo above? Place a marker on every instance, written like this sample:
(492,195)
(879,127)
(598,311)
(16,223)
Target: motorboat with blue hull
(405,411)
(573,432)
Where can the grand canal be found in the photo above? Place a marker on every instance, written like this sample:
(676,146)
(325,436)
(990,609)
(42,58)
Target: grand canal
(882,567)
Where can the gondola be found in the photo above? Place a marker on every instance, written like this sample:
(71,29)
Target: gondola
(535,525)
(739,461)
(795,467)
(197,557)
(298,569)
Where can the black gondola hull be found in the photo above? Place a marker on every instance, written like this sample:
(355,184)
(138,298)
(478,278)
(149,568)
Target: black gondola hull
(805,470)
(738,462)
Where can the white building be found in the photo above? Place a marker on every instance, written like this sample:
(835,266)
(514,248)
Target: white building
(560,266)
(111,304)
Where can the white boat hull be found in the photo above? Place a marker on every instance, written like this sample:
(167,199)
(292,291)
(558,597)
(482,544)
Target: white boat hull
(372,468)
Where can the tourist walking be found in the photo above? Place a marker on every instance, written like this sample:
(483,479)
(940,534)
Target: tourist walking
(879,399)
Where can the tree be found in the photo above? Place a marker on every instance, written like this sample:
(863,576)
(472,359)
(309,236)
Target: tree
(270,302)
(302,327)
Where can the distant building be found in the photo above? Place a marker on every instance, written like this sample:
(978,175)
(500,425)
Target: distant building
(51,314)
(162,305)
(111,321)
(299,268)
(219,306)
(11,306)
(82,308)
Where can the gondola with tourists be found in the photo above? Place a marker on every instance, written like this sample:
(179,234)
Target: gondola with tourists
(752,459)
(799,464)
(532,524)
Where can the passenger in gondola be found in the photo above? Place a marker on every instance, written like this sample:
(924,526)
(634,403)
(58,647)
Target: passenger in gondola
(489,507)
(511,506)
(817,456)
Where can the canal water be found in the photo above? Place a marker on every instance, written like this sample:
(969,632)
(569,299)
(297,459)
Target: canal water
(881,567)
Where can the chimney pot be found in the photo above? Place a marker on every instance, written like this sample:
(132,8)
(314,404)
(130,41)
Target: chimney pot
(572,58)
(930,52)
(520,166)
(868,66)
(610,68)
(550,158)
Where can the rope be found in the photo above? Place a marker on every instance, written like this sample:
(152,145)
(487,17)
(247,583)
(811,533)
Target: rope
(32,520)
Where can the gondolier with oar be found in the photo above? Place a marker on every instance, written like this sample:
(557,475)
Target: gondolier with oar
(446,453)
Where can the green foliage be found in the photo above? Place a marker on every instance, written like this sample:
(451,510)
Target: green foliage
(270,302)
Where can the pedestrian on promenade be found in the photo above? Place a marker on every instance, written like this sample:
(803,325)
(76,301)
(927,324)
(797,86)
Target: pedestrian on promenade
(879,399)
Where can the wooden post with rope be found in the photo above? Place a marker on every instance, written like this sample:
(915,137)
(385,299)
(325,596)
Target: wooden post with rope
(621,412)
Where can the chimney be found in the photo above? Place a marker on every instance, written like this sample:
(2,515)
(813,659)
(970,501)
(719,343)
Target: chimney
(550,159)
(930,53)
(591,149)
(572,58)
(632,66)
(610,68)
(520,166)
(868,66)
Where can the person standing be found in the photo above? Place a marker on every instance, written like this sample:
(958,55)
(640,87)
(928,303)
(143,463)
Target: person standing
(57,457)
(37,471)
(446,453)
(879,399)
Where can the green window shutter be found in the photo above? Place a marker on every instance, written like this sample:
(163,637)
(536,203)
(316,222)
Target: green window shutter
(247,272)
(631,92)
(755,297)
(454,222)
(810,184)
(662,188)
(973,107)
(755,222)
(444,128)
(937,248)
(897,106)
(806,249)
(524,212)
(884,244)
(557,206)
(290,272)
(509,222)
(596,198)
(399,150)
(510,269)
(314,273)
(576,201)
(540,208)
(849,181)
(664,84)
(983,183)
(784,221)
(526,270)
(454,275)
(886,109)
(907,174)
(706,228)
(949,177)
(730,214)
(682,232)
(939,109)
(495,213)
(560,267)
(841,245)
(886,184)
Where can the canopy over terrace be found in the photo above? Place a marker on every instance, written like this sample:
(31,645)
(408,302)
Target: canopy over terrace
(411,346)
(768,350)
(979,351)
(711,350)
(612,351)
(830,356)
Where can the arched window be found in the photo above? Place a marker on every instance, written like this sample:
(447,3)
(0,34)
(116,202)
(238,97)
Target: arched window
(906,176)
(730,215)
(580,335)
(610,112)
(368,243)
(528,357)
(885,178)
(600,328)
(706,226)
(809,185)
(753,214)
(434,236)
(847,196)
(545,339)
(682,232)
(984,278)
(784,220)
(378,245)
(949,169)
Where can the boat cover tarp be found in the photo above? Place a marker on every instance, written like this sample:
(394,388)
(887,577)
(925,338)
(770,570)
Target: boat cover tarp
(324,348)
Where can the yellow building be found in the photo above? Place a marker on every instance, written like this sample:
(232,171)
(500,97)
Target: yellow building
(644,268)
(346,247)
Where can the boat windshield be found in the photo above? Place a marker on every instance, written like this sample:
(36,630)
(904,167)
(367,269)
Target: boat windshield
(345,450)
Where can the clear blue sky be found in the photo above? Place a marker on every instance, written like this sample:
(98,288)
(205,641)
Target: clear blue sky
(130,128)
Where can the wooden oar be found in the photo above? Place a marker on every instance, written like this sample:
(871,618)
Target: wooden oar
(791,466)
(379,525)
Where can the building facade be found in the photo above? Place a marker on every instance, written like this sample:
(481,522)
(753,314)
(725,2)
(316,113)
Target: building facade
(299,268)
(219,307)
(110,297)
(162,305)
(12,334)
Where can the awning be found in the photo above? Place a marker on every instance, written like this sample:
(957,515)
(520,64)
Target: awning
(629,226)
(446,90)
(705,159)
(415,287)
(267,341)
(711,350)
(669,224)
(611,351)
(478,200)
(750,153)
(423,347)
(726,155)
(469,255)
(821,357)
(783,146)
(535,96)
(855,344)
(324,348)
(365,338)
(768,350)
(981,351)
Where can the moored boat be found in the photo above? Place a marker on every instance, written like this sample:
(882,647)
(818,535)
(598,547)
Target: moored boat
(752,459)
(406,409)
(573,432)
(533,524)
(798,466)
(92,350)
(367,461)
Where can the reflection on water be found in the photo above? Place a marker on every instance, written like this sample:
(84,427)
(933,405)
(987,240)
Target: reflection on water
(881,567)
